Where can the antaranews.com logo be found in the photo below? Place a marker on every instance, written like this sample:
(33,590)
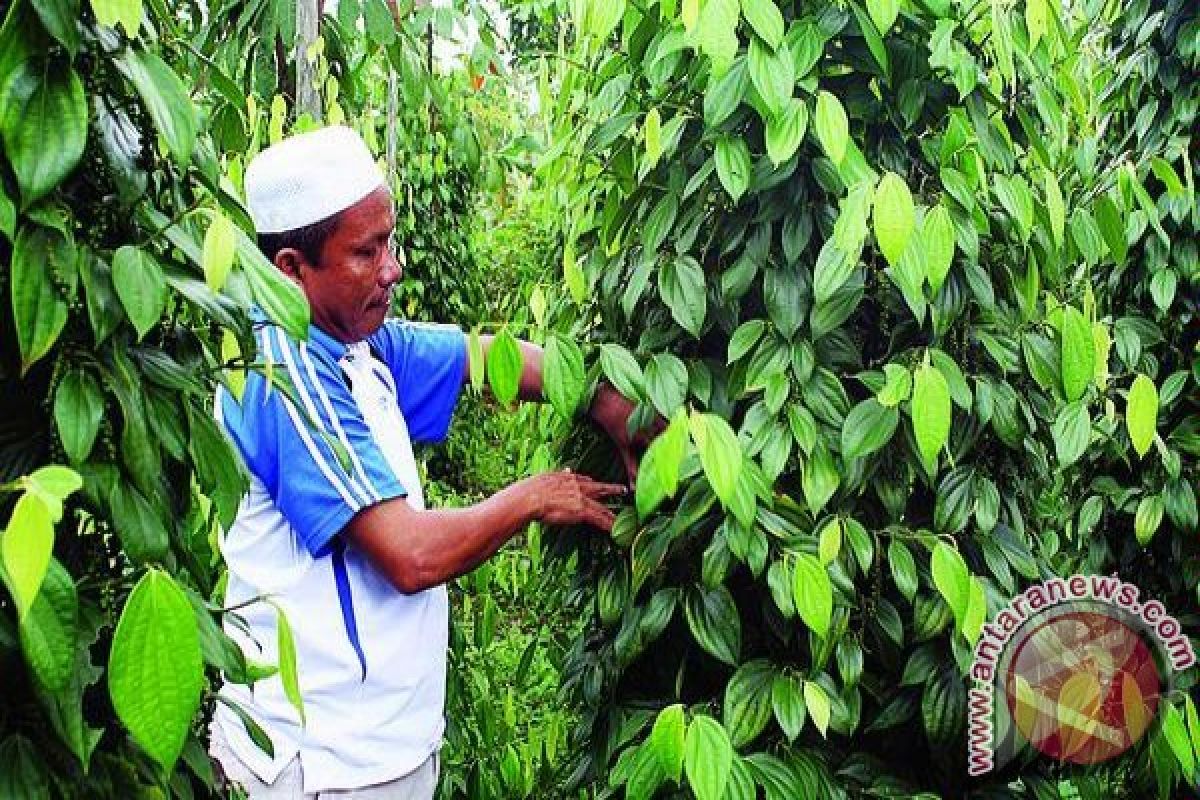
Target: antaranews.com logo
(1073,667)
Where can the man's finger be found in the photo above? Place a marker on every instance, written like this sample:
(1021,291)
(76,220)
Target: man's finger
(597,489)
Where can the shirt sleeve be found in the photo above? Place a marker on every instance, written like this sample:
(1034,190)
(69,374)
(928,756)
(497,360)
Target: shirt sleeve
(308,443)
(427,362)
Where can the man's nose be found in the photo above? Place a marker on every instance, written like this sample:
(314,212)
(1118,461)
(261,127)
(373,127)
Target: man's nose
(394,268)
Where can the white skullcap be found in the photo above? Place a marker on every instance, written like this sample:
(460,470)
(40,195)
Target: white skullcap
(309,177)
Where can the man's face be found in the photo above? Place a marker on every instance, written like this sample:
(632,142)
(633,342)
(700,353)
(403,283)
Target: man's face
(350,291)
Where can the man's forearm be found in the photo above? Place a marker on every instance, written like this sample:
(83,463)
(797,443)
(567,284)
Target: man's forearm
(422,549)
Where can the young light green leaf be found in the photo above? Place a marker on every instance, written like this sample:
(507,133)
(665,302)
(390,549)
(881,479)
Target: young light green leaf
(652,133)
(817,702)
(1141,414)
(1078,353)
(1147,518)
(897,385)
(765,19)
(563,374)
(504,365)
(829,541)
(715,33)
(707,758)
(220,247)
(1055,206)
(1035,21)
(883,13)
(26,546)
(720,453)
(951,578)
(475,361)
(937,234)
(53,484)
(772,72)
(733,165)
(894,216)
(785,131)
(126,12)
(832,127)
(155,671)
(288,669)
(930,414)
(1175,732)
(667,740)
(812,593)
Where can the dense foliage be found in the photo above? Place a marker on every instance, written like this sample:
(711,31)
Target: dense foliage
(916,286)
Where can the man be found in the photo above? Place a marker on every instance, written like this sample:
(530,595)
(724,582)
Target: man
(334,527)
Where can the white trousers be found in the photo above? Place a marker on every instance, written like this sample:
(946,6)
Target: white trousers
(420,784)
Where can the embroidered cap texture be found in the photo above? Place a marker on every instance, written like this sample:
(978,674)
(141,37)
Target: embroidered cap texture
(309,177)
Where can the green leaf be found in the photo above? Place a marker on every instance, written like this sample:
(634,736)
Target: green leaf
(1141,414)
(720,453)
(49,630)
(1175,732)
(1112,227)
(681,285)
(155,671)
(744,338)
(288,674)
(725,94)
(220,247)
(765,20)
(475,364)
(667,740)
(43,124)
(868,427)
(833,268)
(127,12)
(785,131)
(504,365)
(165,98)
(883,13)
(53,484)
(39,310)
(666,383)
(832,127)
(1078,353)
(817,702)
(930,414)
(141,287)
(787,700)
(1055,207)
(59,18)
(652,131)
(772,72)
(951,578)
(747,707)
(937,236)
(78,409)
(1036,15)
(897,386)
(715,33)
(1072,432)
(277,295)
(713,620)
(708,758)
(141,531)
(1147,518)
(904,568)
(813,593)
(820,477)
(620,367)
(829,542)
(894,217)
(26,546)
(563,375)
(733,165)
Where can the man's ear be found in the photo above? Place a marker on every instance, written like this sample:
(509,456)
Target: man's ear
(291,262)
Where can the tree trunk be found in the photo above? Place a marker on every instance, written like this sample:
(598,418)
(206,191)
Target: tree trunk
(308,98)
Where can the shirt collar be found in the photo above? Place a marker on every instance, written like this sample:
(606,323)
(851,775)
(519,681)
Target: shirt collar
(317,337)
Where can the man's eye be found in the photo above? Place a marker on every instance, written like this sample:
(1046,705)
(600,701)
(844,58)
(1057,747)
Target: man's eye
(364,252)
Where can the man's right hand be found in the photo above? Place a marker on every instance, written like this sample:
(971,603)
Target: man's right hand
(567,498)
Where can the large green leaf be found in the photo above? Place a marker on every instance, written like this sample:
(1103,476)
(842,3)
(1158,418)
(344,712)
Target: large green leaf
(708,758)
(714,621)
(930,414)
(868,427)
(937,235)
(785,131)
(816,699)
(49,630)
(787,701)
(504,366)
(563,374)
(220,247)
(1072,432)
(681,285)
(1141,414)
(26,545)
(1078,353)
(765,19)
(43,124)
(772,73)
(39,309)
(951,578)
(141,286)
(883,13)
(831,125)
(747,707)
(813,593)
(715,33)
(667,740)
(733,165)
(720,453)
(155,671)
(893,217)
(78,409)
(165,98)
